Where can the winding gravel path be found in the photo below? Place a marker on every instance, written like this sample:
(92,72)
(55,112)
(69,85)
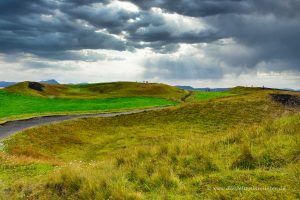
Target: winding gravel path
(9,128)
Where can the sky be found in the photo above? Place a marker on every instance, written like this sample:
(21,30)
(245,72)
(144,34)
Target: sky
(202,43)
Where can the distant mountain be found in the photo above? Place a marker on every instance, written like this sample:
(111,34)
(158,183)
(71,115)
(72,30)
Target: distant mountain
(202,89)
(289,89)
(213,89)
(223,89)
(185,87)
(51,82)
(6,84)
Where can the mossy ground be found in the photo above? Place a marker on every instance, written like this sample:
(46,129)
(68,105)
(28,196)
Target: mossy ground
(243,146)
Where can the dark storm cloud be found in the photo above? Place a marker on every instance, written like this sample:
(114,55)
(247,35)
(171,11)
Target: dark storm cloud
(41,28)
(268,30)
(206,8)
(12,7)
(195,7)
(102,16)
(145,27)
(269,38)
(154,28)
(38,42)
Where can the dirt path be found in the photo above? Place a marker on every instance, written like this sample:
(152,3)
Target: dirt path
(183,99)
(12,127)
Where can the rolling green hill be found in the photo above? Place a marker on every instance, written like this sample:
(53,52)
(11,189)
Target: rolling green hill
(15,106)
(101,90)
(243,146)
(29,99)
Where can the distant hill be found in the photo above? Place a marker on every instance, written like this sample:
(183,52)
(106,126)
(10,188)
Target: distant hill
(6,84)
(224,89)
(185,87)
(289,89)
(50,82)
(202,89)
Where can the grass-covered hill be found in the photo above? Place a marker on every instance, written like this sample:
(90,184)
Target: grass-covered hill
(16,106)
(100,90)
(29,99)
(241,146)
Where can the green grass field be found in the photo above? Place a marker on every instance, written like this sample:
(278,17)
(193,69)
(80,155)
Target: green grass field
(16,105)
(240,147)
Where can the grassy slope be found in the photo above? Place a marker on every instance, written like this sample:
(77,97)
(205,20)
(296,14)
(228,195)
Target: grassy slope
(14,105)
(19,101)
(101,90)
(244,140)
(203,95)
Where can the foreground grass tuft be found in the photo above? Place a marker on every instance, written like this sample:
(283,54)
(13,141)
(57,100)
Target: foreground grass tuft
(245,160)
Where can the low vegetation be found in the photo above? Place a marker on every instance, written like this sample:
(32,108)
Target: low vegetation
(242,146)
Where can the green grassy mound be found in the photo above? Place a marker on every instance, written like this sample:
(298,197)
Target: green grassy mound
(21,101)
(16,105)
(239,147)
(101,90)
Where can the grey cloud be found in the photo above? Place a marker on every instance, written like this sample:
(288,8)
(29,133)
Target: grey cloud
(38,65)
(55,28)
(11,7)
(268,29)
(197,8)
(57,41)
(145,27)
(186,67)
(88,56)
(115,20)
(46,65)
(206,8)
(165,48)
(268,38)
(25,30)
